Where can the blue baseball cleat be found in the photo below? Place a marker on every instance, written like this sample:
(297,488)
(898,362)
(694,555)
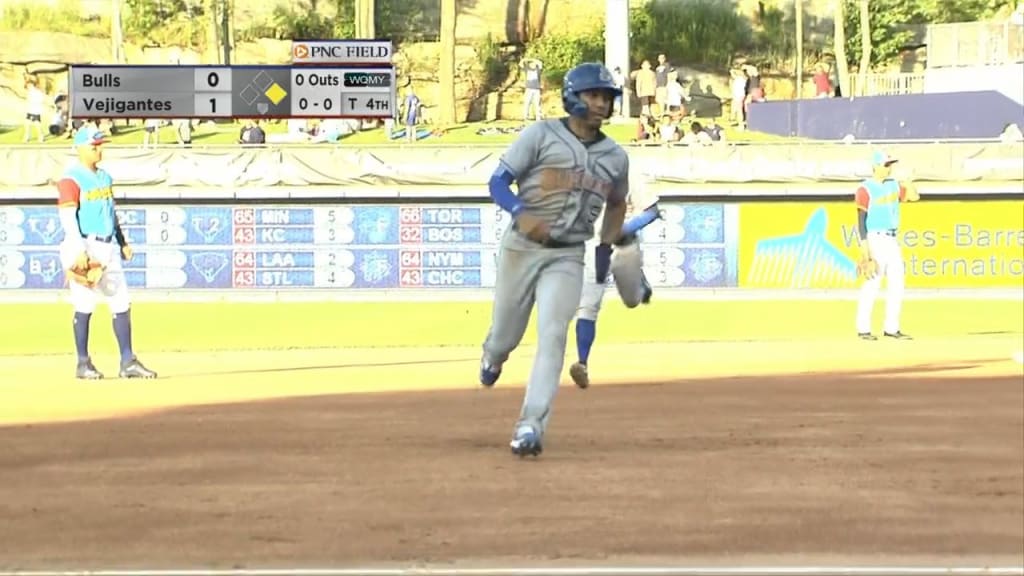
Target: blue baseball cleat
(489,373)
(648,291)
(526,442)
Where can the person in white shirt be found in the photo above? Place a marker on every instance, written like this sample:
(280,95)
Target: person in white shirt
(35,101)
(668,131)
(151,133)
(697,136)
(183,131)
(674,95)
(738,87)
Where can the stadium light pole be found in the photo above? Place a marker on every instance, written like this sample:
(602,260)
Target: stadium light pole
(116,33)
(799,9)
(616,45)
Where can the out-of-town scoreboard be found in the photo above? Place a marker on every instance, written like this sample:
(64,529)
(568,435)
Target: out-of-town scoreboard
(327,79)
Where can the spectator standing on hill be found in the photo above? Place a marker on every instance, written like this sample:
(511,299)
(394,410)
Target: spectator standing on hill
(411,113)
(620,82)
(35,101)
(661,83)
(833,77)
(644,81)
(738,89)
(754,90)
(674,95)
(532,69)
(151,132)
(183,131)
(822,84)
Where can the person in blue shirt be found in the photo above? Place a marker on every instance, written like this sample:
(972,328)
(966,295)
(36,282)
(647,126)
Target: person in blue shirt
(92,234)
(878,202)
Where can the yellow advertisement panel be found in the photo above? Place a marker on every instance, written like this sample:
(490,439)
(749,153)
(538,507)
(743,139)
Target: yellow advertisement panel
(945,244)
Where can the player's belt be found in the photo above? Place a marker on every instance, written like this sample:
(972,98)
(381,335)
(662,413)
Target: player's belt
(549,243)
(98,238)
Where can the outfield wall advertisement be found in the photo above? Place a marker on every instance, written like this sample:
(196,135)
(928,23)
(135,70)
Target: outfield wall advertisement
(945,245)
(283,247)
(703,245)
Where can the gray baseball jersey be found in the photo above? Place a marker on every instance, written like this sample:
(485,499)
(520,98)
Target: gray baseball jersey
(566,183)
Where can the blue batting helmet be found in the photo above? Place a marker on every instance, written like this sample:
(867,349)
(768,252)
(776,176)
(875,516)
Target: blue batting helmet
(586,76)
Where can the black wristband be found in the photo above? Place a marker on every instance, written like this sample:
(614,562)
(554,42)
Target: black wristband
(119,236)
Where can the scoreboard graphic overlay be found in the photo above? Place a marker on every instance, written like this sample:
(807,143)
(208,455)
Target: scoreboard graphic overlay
(331,79)
(284,247)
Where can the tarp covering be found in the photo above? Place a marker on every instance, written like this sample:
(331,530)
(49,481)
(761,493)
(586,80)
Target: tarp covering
(23,168)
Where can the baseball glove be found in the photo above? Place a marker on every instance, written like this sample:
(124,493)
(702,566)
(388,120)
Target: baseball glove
(867,267)
(87,273)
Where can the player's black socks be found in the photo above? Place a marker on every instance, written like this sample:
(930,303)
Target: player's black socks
(81,325)
(123,332)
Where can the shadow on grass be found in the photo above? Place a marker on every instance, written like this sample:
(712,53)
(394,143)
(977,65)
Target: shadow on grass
(287,369)
(870,373)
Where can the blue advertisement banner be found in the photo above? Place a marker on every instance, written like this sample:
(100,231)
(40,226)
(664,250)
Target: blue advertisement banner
(343,246)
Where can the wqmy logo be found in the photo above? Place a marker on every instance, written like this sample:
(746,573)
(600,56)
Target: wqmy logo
(804,260)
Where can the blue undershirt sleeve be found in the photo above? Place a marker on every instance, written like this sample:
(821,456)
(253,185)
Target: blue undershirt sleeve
(862,224)
(500,187)
(638,222)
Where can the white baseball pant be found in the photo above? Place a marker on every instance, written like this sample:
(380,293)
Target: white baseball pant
(626,272)
(112,285)
(886,251)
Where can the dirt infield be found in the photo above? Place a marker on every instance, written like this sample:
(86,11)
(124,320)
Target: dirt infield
(921,457)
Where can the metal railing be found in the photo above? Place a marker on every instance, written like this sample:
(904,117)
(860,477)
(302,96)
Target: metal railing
(887,84)
(975,44)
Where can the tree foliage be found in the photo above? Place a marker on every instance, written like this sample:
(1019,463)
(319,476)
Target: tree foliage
(889,20)
(399,20)
(560,53)
(166,21)
(302,19)
(711,32)
(407,21)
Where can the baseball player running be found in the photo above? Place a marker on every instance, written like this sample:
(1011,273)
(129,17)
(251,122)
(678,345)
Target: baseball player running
(878,219)
(567,171)
(91,252)
(626,272)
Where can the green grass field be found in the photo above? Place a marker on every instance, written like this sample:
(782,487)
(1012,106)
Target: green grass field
(161,327)
(227,133)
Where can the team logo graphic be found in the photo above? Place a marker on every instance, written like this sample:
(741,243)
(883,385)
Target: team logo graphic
(375,267)
(208,227)
(45,266)
(209,264)
(47,228)
(706,266)
(704,224)
(375,226)
(803,260)
(300,51)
